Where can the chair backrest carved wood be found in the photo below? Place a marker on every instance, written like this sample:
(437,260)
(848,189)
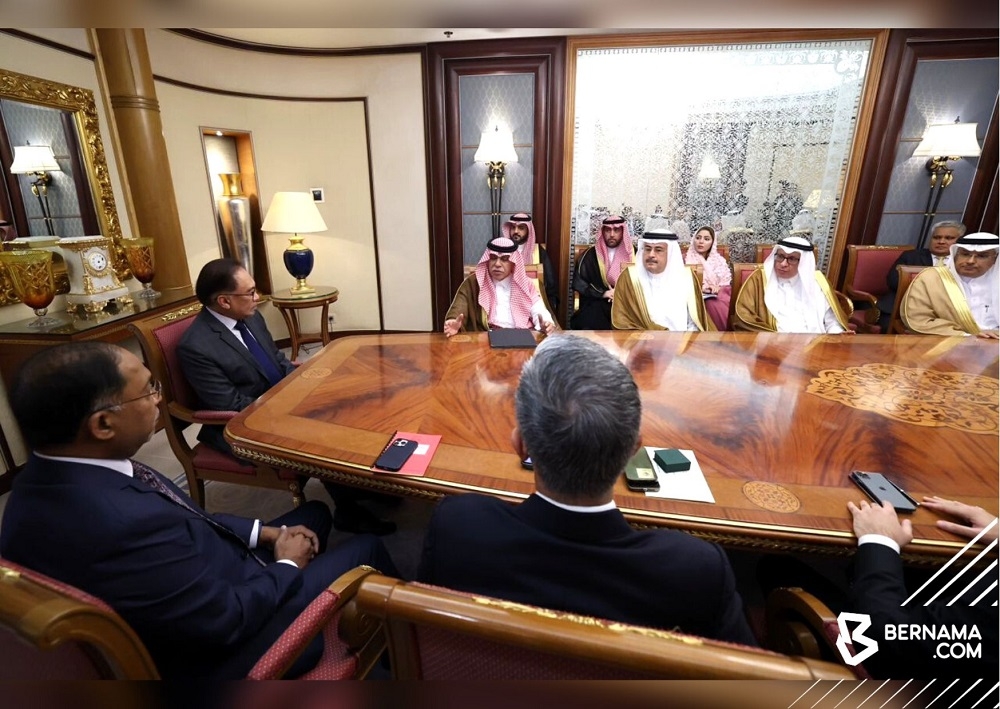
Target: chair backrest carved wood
(50,630)
(436,633)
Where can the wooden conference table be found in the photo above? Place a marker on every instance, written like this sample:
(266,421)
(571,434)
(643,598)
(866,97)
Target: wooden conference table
(776,421)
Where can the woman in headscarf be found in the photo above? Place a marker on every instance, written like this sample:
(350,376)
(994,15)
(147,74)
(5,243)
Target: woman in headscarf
(716,278)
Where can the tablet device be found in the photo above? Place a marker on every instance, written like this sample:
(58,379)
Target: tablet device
(512,338)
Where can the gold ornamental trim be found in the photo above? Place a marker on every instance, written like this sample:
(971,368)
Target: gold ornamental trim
(586,620)
(922,397)
(180,313)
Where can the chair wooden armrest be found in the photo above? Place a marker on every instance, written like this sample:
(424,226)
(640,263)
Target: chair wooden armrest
(798,624)
(346,655)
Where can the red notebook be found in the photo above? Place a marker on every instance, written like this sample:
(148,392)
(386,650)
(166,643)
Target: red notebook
(417,463)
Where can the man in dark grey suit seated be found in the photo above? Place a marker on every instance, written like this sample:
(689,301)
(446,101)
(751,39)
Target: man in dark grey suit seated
(230,359)
(208,594)
(943,235)
(567,546)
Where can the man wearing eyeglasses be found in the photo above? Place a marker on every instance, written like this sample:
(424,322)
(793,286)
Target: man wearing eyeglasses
(230,359)
(208,594)
(788,294)
(960,297)
(497,294)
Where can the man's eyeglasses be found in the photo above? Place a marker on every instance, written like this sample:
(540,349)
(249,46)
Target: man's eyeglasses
(792,260)
(252,293)
(155,389)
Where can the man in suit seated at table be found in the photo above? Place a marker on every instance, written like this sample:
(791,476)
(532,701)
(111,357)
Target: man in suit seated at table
(943,235)
(230,359)
(207,594)
(878,590)
(597,273)
(960,298)
(567,546)
(497,294)
(788,294)
(520,229)
(659,292)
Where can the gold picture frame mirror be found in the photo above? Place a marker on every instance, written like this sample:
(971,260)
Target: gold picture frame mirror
(79,103)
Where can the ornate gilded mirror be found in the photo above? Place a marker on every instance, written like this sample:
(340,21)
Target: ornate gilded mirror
(74,109)
(756,139)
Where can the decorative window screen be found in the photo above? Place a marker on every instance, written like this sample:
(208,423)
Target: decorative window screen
(741,137)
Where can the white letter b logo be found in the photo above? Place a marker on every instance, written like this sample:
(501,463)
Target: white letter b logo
(857,638)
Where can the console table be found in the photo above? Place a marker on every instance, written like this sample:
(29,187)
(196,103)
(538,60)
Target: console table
(18,341)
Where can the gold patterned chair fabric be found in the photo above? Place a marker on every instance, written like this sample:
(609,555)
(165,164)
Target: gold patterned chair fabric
(159,335)
(906,276)
(436,633)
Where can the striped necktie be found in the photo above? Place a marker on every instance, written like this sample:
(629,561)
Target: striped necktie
(151,478)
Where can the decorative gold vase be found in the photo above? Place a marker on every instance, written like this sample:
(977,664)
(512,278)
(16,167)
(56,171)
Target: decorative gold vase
(234,213)
(31,274)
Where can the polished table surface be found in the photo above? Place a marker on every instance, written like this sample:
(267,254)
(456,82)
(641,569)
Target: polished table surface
(777,422)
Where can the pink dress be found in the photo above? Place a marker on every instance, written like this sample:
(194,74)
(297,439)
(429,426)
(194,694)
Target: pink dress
(716,274)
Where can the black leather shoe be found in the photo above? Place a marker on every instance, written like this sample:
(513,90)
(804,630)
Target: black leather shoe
(358,520)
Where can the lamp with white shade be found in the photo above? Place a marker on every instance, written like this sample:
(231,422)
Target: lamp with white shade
(943,142)
(295,213)
(496,149)
(37,160)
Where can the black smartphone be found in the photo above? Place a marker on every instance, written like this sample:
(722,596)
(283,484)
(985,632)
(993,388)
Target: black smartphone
(527,464)
(882,489)
(396,454)
(640,475)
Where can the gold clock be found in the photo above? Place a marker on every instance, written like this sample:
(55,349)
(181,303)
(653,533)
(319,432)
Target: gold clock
(93,282)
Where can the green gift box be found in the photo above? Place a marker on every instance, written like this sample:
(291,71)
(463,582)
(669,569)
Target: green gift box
(671,460)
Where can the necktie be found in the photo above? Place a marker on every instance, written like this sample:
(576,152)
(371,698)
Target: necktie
(270,368)
(149,476)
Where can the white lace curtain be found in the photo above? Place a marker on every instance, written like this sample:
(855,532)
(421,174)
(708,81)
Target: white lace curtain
(746,138)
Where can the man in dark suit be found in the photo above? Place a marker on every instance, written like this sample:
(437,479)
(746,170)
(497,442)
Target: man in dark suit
(230,360)
(878,590)
(943,235)
(567,546)
(207,594)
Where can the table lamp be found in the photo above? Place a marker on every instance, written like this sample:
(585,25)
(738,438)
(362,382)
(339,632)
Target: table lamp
(295,213)
(37,160)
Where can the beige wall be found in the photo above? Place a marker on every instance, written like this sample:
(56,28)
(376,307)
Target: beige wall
(299,145)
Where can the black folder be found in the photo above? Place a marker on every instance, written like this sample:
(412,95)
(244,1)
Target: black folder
(512,339)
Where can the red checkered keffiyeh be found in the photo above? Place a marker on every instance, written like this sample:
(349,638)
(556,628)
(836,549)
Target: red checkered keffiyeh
(623,254)
(522,293)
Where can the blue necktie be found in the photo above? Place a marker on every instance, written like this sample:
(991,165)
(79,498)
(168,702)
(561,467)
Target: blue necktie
(271,370)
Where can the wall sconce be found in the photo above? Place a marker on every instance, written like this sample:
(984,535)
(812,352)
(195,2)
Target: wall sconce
(295,213)
(709,169)
(943,142)
(37,160)
(496,149)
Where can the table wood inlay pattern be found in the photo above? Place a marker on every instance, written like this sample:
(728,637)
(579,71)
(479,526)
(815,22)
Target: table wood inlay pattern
(966,402)
(741,401)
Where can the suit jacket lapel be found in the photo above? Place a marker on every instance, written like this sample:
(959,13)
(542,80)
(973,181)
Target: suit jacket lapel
(228,337)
